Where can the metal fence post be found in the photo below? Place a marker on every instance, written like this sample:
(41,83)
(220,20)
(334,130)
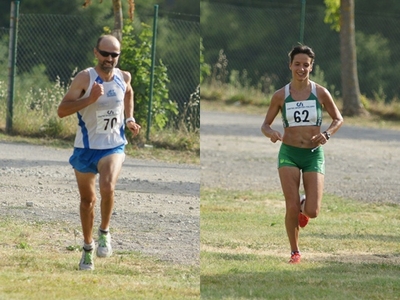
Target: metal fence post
(302,17)
(11,63)
(153,55)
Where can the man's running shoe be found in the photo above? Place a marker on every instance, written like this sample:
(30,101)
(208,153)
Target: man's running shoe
(87,262)
(303,219)
(104,248)
(295,257)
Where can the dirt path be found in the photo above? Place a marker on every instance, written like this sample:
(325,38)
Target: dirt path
(361,163)
(157,209)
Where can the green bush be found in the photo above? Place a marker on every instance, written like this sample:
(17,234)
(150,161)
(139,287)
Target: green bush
(136,58)
(35,103)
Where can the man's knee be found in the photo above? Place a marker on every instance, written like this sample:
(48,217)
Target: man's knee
(88,202)
(107,188)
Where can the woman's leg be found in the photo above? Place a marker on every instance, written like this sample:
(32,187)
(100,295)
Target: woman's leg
(313,187)
(290,182)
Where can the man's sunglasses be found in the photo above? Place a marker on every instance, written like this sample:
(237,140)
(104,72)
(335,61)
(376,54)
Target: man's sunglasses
(107,54)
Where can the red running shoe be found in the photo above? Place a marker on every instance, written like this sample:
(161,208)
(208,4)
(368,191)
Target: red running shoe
(303,219)
(295,257)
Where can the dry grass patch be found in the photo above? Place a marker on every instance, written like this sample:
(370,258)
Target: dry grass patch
(35,264)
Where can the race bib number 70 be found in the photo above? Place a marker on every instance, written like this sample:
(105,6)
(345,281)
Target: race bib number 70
(107,120)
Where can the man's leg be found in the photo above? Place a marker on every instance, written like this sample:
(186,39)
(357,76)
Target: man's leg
(109,168)
(86,185)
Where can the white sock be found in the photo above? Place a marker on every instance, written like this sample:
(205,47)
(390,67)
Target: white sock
(88,246)
(105,231)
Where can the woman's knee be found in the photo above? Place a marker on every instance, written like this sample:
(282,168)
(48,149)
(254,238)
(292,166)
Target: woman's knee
(312,213)
(293,209)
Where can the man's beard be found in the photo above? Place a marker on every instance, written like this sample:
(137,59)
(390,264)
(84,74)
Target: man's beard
(106,67)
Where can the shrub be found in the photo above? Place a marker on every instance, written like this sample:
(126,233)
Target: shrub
(136,58)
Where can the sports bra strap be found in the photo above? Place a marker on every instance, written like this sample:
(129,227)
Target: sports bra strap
(287,92)
(313,89)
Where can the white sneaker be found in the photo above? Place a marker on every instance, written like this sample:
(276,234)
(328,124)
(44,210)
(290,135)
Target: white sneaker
(104,248)
(302,202)
(87,263)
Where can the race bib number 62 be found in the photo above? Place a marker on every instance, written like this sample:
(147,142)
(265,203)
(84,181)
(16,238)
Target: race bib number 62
(301,113)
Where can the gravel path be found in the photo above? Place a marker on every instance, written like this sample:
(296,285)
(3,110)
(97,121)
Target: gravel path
(157,207)
(361,163)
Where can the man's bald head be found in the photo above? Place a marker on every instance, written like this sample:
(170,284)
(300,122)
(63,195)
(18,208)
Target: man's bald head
(107,41)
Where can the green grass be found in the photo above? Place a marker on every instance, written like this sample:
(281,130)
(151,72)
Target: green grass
(235,94)
(351,251)
(35,264)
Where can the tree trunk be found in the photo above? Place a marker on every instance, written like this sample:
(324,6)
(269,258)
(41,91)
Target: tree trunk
(350,87)
(118,19)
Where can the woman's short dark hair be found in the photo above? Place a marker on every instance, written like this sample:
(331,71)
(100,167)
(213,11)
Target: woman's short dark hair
(301,49)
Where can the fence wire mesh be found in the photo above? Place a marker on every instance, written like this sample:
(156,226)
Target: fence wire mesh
(182,46)
(51,49)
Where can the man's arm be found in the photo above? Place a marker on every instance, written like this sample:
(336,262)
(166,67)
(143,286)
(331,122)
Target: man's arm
(72,101)
(129,95)
(129,105)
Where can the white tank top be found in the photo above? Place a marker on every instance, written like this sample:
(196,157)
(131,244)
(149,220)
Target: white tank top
(101,124)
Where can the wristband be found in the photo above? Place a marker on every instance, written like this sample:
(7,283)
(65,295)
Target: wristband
(327,135)
(130,119)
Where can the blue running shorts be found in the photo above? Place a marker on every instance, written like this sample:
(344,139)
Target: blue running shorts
(86,160)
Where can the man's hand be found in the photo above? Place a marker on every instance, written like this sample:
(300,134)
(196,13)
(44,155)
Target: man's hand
(96,92)
(133,127)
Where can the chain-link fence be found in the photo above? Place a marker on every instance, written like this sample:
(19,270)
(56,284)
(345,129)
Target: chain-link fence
(183,46)
(250,45)
(51,49)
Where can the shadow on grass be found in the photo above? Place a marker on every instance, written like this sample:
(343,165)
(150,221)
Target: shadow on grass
(353,236)
(256,277)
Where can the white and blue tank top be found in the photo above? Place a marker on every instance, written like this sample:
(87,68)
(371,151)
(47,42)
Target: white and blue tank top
(101,124)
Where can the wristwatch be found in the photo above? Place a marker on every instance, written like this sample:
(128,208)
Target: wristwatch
(327,135)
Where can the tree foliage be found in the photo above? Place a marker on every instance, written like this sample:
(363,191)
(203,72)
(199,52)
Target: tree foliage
(256,35)
(332,14)
(118,15)
(136,58)
(131,5)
